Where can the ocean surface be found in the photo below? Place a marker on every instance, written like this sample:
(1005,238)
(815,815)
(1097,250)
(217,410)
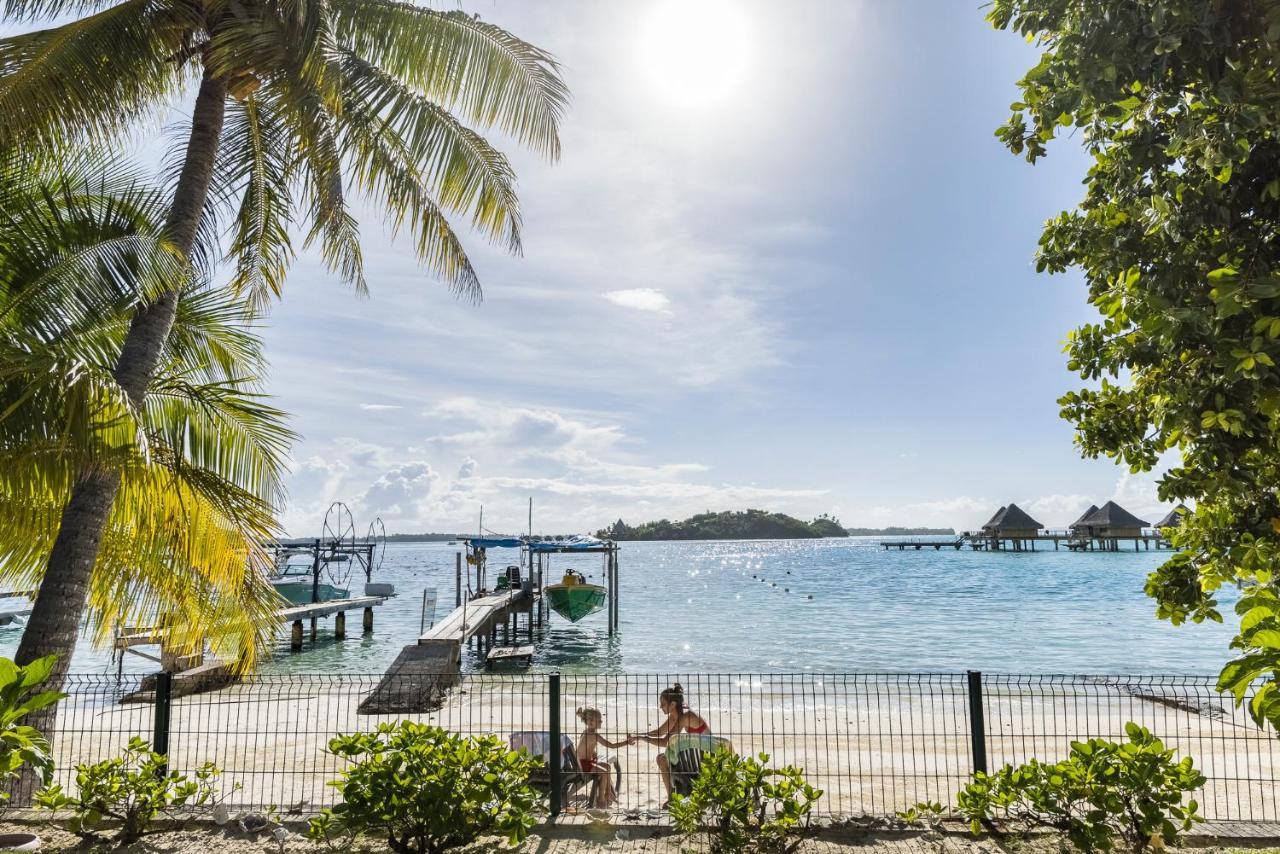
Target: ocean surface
(799,605)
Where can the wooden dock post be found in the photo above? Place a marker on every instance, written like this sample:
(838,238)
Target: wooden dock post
(457,579)
(340,625)
(295,637)
(368,621)
(315,628)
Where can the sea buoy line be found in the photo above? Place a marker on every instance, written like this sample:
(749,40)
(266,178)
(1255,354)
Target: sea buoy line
(774,584)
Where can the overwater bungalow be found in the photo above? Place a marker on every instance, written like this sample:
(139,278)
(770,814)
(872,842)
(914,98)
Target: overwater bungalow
(1111,520)
(1079,526)
(1011,525)
(1174,518)
(1105,527)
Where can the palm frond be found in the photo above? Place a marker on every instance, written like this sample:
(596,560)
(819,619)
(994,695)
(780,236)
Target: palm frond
(461,169)
(386,171)
(253,165)
(93,78)
(461,62)
(199,466)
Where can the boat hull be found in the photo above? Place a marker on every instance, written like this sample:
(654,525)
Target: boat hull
(299,592)
(575,601)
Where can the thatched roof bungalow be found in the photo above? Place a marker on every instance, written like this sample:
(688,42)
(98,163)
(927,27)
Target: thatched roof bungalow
(1078,526)
(1011,523)
(1174,519)
(1110,520)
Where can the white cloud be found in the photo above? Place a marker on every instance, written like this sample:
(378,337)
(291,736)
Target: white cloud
(1058,510)
(582,471)
(641,299)
(379,407)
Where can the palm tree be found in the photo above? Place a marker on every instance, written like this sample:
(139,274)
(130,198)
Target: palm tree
(297,102)
(199,466)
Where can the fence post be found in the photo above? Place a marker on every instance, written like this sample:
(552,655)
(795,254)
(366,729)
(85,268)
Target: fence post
(977,722)
(554,757)
(160,736)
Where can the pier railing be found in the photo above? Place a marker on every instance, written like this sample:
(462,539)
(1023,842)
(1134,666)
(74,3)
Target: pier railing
(875,743)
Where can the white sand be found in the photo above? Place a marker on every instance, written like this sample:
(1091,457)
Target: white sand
(875,746)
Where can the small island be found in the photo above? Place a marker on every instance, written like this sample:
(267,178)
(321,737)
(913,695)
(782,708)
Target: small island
(728,525)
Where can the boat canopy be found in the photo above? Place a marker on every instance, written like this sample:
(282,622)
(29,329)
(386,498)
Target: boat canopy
(568,544)
(494,542)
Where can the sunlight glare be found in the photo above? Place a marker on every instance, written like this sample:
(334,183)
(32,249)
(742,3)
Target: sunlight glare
(695,51)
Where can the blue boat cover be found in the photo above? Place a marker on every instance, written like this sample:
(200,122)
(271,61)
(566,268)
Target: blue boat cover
(494,542)
(572,544)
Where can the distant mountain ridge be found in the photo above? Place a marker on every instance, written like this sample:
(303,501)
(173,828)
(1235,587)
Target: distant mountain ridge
(728,525)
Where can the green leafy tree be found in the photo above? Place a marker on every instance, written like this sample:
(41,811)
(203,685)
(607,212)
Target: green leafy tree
(198,467)
(427,790)
(296,103)
(128,793)
(1103,789)
(1178,237)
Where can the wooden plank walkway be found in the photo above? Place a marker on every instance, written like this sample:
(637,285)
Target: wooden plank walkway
(469,620)
(153,635)
(325,609)
(421,674)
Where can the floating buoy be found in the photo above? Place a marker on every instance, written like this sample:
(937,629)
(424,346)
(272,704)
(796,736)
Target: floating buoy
(810,595)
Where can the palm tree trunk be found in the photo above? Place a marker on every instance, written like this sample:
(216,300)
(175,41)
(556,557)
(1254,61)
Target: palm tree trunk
(59,605)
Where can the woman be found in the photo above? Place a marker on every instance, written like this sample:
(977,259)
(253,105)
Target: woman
(679,719)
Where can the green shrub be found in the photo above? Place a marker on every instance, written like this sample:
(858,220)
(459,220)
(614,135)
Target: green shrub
(1102,789)
(128,793)
(747,805)
(923,814)
(22,746)
(427,790)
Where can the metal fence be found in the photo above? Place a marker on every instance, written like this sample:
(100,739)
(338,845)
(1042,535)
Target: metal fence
(875,743)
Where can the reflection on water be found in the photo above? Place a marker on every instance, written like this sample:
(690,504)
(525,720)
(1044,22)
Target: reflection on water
(806,605)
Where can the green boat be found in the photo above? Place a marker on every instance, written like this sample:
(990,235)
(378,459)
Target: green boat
(573,598)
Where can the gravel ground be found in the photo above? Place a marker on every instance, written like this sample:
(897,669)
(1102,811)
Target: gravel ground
(580,839)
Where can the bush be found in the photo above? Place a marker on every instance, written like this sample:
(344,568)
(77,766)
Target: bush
(1133,789)
(22,746)
(747,805)
(128,793)
(427,790)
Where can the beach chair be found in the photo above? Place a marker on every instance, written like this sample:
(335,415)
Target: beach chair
(684,754)
(572,778)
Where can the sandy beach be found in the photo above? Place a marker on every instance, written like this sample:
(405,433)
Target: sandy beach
(873,744)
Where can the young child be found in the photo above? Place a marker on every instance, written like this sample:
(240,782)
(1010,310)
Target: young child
(588,757)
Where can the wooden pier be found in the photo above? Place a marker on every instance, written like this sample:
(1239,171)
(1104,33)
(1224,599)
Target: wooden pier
(494,620)
(936,545)
(196,671)
(978,541)
(423,671)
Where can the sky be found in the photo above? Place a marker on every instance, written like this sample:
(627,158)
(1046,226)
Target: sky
(782,263)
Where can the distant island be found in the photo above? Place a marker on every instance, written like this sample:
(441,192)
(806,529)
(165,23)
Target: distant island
(896,531)
(728,525)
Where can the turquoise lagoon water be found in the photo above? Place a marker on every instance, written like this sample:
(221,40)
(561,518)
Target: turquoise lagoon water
(745,606)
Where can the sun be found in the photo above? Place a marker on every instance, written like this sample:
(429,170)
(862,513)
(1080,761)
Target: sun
(695,51)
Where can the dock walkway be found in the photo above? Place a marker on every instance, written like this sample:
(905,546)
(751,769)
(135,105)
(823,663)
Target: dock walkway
(421,673)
